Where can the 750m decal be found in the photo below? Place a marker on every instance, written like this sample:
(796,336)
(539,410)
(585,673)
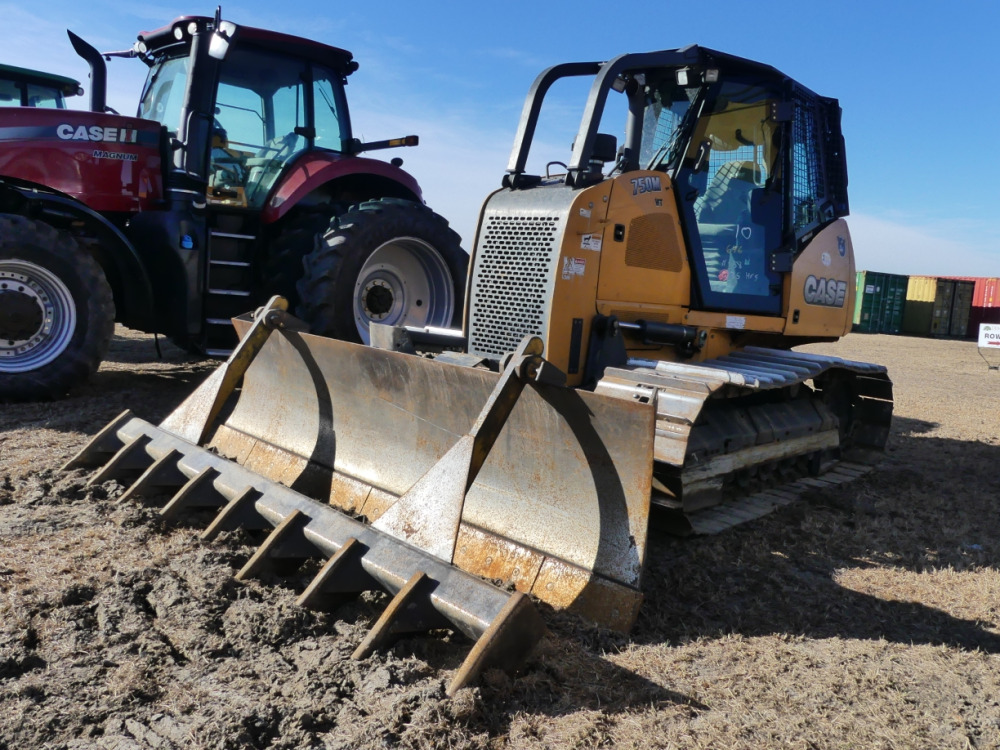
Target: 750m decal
(646,185)
(826,292)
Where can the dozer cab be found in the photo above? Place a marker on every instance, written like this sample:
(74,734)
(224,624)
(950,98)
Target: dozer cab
(240,177)
(626,353)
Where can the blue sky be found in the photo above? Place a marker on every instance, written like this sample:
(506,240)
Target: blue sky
(918,82)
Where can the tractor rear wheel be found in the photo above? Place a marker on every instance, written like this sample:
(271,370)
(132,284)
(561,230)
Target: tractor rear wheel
(388,261)
(56,311)
(300,235)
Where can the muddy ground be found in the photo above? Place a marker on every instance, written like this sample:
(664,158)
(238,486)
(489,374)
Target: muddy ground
(868,617)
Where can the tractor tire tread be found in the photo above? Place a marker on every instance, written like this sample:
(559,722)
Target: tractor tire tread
(94,304)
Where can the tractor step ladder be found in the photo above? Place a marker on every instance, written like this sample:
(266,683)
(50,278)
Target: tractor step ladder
(228,279)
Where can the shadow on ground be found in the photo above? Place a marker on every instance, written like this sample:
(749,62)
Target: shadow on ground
(929,506)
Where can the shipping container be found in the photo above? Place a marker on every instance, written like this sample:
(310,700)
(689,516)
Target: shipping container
(985,302)
(937,306)
(878,306)
(921,292)
(961,309)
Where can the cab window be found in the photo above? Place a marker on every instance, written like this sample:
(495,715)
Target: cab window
(260,125)
(729,185)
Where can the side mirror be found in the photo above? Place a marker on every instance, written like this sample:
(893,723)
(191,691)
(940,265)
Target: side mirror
(218,47)
(605,148)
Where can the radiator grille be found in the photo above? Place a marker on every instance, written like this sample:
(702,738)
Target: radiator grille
(651,245)
(512,281)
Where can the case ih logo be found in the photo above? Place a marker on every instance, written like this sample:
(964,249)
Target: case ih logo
(826,292)
(97,133)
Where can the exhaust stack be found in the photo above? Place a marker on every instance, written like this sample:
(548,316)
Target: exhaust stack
(98,72)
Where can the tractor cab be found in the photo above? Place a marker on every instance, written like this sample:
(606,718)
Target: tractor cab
(21,87)
(276,97)
(758,164)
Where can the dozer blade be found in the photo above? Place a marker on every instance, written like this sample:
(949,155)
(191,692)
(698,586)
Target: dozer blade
(554,502)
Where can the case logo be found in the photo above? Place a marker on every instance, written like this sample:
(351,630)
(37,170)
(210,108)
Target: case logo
(825,292)
(96,133)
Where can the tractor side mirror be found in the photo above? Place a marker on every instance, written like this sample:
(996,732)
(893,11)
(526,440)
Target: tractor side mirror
(218,47)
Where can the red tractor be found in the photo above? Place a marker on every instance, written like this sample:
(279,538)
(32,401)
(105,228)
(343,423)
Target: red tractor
(240,178)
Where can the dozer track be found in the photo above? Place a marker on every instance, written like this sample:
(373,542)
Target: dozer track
(742,434)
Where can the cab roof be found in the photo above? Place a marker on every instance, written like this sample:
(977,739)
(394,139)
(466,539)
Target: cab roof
(68,86)
(273,41)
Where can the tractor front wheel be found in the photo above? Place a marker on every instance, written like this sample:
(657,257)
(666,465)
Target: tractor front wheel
(56,311)
(388,261)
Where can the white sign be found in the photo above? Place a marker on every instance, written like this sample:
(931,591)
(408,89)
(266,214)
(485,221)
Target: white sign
(989,335)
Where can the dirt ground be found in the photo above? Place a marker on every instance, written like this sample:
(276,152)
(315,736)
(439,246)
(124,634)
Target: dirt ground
(864,618)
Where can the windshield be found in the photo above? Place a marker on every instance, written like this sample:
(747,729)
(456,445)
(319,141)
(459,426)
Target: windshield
(666,122)
(16,94)
(163,95)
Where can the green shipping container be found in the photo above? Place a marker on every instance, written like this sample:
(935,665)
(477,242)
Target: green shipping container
(961,309)
(879,302)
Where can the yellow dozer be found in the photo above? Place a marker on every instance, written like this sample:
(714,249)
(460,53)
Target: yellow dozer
(626,352)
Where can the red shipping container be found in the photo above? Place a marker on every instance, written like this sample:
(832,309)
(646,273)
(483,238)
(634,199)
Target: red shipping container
(985,301)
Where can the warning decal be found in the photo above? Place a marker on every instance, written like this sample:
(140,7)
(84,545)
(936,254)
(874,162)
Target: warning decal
(573,267)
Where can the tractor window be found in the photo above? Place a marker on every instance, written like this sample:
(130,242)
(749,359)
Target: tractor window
(289,106)
(45,96)
(662,134)
(327,98)
(10,94)
(163,96)
(806,180)
(260,121)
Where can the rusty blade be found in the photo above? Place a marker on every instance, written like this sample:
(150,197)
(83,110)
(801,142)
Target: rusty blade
(194,418)
(560,507)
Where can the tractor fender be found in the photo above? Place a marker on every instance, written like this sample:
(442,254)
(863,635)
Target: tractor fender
(125,271)
(351,178)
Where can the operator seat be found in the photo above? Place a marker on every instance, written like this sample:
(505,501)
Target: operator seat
(728,196)
(265,166)
(732,246)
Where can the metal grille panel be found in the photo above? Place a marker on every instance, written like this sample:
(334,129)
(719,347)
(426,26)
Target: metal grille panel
(650,243)
(512,280)
(807,176)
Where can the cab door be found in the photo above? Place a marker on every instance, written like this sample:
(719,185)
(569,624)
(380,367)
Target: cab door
(730,191)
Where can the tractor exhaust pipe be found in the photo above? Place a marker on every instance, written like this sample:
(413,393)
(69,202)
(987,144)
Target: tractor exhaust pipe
(98,72)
